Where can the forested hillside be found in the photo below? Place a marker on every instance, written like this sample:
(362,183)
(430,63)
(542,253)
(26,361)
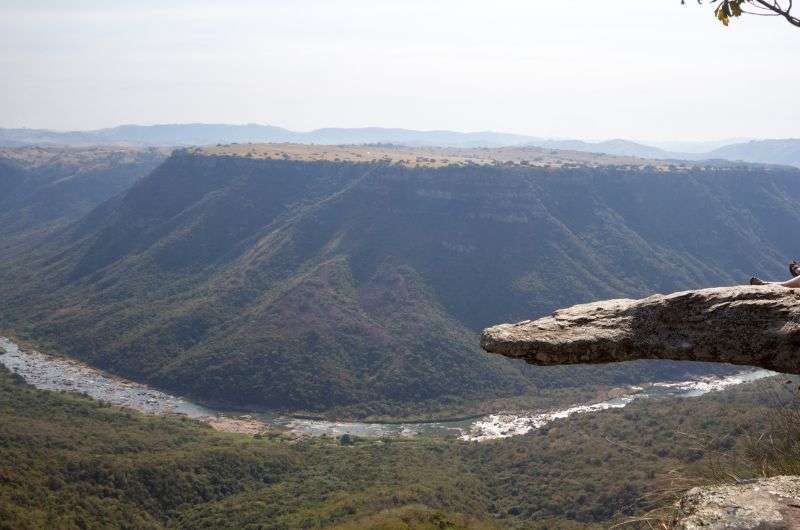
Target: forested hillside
(303,284)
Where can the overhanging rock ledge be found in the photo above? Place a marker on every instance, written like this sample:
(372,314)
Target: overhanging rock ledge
(749,325)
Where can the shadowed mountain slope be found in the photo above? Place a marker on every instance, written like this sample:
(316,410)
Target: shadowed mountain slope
(313,284)
(42,189)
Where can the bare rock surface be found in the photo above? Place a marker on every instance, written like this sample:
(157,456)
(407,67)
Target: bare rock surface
(749,325)
(765,504)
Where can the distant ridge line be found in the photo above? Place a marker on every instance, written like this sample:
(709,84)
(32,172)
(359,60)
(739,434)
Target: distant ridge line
(770,151)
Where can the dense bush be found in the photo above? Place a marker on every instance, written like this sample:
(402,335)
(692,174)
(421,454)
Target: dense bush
(69,462)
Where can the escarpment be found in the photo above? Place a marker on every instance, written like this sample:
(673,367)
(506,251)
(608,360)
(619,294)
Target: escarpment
(758,326)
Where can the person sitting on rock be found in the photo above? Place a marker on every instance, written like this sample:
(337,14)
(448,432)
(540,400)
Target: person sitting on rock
(794,283)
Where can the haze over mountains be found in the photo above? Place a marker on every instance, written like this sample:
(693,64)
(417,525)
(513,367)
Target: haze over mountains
(773,151)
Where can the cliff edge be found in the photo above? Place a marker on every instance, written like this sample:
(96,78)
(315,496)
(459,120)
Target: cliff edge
(750,325)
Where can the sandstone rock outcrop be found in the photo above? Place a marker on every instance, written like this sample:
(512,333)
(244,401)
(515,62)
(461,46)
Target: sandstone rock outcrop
(749,325)
(764,504)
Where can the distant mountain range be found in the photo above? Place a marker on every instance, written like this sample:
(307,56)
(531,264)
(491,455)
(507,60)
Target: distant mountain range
(782,151)
(206,134)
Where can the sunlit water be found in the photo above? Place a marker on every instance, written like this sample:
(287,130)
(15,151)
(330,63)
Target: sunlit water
(505,425)
(57,373)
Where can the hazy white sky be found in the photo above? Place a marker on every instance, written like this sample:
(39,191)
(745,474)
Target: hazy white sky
(644,69)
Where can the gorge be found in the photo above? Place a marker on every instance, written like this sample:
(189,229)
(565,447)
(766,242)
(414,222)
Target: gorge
(328,301)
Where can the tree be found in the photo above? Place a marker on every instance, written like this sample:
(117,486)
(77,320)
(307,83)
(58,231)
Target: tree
(727,9)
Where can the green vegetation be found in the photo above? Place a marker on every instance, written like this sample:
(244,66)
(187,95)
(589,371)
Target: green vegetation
(70,462)
(314,285)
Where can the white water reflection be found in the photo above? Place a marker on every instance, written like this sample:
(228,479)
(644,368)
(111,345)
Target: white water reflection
(505,425)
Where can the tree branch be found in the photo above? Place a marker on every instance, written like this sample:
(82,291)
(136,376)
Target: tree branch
(776,8)
(728,9)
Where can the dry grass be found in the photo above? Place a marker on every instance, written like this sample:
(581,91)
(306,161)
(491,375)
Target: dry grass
(430,156)
(84,158)
(776,451)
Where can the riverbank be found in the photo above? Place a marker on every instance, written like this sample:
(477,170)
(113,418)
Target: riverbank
(56,373)
(50,372)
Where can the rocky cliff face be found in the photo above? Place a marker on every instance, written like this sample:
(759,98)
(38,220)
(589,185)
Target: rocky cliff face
(757,326)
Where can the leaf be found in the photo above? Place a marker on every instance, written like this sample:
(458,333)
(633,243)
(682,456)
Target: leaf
(722,15)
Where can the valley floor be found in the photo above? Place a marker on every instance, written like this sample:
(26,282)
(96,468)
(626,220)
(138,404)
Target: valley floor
(71,462)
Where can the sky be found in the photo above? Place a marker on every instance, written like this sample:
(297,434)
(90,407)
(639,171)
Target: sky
(639,69)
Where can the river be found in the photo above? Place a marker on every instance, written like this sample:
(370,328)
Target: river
(49,372)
